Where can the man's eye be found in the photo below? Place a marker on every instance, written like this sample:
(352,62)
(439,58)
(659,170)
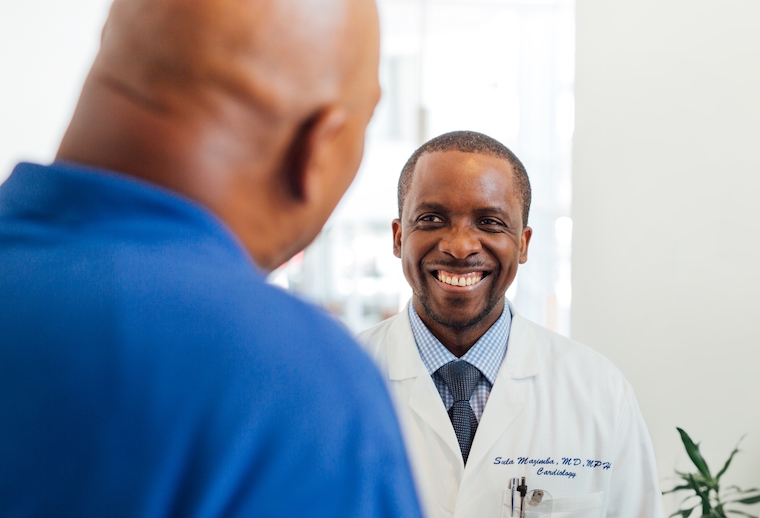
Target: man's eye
(489,221)
(430,218)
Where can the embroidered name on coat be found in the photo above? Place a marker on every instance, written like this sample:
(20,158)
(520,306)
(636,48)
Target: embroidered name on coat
(547,466)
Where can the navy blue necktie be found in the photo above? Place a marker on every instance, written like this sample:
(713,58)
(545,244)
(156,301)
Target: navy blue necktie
(461,378)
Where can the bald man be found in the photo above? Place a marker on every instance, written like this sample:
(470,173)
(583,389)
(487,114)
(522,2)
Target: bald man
(146,368)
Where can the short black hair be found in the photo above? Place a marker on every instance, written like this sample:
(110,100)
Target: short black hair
(468,142)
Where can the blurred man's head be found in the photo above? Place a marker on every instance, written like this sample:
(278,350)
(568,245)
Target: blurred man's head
(255,108)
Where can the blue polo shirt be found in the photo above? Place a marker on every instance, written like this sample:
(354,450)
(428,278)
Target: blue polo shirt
(147,369)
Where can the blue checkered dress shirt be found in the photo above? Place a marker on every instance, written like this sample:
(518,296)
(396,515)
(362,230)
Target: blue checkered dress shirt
(486,354)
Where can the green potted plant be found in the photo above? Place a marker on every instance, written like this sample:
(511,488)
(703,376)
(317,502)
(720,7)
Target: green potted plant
(705,491)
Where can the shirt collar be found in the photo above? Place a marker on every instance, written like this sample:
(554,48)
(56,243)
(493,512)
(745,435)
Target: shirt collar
(486,354)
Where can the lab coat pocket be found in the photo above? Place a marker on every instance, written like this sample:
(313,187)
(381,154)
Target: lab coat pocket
(578,506)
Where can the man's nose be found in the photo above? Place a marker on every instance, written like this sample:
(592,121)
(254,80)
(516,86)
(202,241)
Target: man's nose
(460,242)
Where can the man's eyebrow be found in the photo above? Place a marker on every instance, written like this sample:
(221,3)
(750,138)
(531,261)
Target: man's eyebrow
(492,210)
(480,211)
(428,205)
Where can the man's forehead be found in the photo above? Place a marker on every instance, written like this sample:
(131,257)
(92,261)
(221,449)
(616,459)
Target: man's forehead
(453,166)
(471,181)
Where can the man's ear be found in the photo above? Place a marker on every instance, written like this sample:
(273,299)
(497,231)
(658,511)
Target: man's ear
(524,242)
(308,166)
(396,228)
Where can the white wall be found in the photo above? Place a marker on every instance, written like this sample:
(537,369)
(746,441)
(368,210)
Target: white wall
(46,48)
(666,208)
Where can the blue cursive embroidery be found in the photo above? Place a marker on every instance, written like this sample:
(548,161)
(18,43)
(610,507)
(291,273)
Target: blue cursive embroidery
(574,462)
(556,472)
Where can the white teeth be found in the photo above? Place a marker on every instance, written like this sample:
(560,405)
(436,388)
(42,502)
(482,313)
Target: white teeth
(459,281)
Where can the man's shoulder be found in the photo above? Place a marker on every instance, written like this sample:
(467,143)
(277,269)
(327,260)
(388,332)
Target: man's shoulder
(381,329)
(279,332)
(549,340)
(375,339)
(291,316)
(565,358)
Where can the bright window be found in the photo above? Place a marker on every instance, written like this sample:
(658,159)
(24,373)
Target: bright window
(503,68)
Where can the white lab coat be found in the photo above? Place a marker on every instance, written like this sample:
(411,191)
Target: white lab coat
(559,414)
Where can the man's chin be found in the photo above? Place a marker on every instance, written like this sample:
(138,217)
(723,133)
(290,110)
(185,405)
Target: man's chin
(458,318)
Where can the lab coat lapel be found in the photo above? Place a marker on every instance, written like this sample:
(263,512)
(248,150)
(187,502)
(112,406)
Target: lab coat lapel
(508,394)
(404,362)
(426,402)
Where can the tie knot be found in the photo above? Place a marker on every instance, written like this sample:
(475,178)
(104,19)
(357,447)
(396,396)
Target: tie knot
(461,378)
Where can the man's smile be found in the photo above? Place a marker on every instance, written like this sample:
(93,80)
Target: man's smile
(459,279)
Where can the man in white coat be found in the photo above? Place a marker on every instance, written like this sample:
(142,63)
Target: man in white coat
(500,415)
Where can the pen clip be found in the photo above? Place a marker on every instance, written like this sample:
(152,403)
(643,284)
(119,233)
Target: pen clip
(523,490)
(513,483)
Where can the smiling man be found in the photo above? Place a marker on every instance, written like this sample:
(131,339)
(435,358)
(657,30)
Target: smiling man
(500,415)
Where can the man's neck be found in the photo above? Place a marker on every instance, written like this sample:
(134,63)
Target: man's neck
(460,340)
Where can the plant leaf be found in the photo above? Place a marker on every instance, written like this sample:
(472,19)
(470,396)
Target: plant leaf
(698,478)
(743,513)
(751,500)
(696,457)
(704,496)
(684,513)
(677,488)
(730,458)
(691,497)
(740,490)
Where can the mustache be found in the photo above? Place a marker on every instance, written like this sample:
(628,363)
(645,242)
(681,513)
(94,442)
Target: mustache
(461,265)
